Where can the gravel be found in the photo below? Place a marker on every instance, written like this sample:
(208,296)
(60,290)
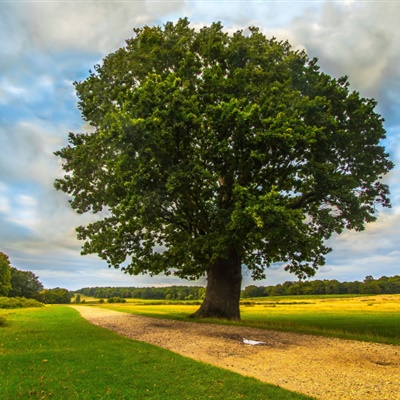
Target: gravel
(325,368)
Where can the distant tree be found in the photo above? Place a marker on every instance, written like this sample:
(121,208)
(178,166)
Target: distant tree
(146,293)
(24,284)
(55,296)
(116,300)
(253,291)
(352,287)
(277,290)
(368,279)
(294,289)
(201,292)
(390,285)
(318,287)
(210,151)
(77,298)
(5,275)
(334,287)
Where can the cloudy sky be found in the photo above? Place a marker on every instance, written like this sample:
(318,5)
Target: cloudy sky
(47,45)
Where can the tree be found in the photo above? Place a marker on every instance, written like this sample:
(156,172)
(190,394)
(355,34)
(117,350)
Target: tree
(5,274)
(55,296)
(253,291)
(24,284)
(211,151)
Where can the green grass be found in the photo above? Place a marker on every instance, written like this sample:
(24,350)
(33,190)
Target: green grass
(52,352)
(366,318)
(3,321)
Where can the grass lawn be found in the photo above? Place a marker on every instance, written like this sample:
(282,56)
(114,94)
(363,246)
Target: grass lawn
(52,352)
(367,318)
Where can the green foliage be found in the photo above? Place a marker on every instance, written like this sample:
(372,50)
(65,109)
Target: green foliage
(208,144)
(383,285)
(16,283)
(55,296)
(156,293)
(390,285)
(18,302)
(116,300)
(5,275)
(253,291)
(54,353)
(24,284)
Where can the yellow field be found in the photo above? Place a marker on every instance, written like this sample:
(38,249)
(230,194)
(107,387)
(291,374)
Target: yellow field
(368,304)
(370,318)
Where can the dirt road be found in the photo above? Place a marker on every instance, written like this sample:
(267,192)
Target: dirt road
(325,368)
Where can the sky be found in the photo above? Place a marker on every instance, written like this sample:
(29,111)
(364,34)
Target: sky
(47,45)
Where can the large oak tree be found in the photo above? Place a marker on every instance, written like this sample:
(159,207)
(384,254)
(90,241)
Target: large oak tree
(213,151)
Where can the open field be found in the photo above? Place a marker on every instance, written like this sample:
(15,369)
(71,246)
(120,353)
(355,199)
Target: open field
(52,352)
(367,318)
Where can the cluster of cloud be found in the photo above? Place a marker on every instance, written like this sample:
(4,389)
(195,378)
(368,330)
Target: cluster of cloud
(46,46)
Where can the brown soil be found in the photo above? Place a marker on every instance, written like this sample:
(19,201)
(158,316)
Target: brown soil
(322,367)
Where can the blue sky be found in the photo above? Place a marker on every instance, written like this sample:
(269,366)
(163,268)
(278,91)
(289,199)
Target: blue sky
(47,45)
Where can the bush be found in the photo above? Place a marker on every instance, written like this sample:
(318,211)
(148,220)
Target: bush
(56,296)
(3,321)
(18,302)
(116,300)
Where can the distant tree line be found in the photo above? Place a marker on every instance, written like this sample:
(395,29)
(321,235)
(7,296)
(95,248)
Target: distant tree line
(383,285)
(25,284)
(155,293)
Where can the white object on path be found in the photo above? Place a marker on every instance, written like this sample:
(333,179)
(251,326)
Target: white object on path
(251,342)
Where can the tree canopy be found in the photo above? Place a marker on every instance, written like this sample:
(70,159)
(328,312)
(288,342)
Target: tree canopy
(24,284)
(212,150)
(55,296)
(5,274)
(383,285)
(16,283)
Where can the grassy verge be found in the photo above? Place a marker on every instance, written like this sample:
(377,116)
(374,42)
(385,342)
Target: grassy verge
(372,318)
(54,353)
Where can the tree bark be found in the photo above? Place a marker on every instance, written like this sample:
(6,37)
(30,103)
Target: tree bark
(224,279)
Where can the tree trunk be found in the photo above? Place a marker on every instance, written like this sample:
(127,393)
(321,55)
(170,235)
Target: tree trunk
(224,279)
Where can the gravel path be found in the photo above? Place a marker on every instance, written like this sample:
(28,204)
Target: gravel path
(321,367)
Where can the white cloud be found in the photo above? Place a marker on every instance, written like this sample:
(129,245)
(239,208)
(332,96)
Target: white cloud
(27,151)
(359,40)
(24,212)
(87,26)
(8,91)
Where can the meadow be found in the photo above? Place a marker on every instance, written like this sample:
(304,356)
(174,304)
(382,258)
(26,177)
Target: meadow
(52,352)
(368,318)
